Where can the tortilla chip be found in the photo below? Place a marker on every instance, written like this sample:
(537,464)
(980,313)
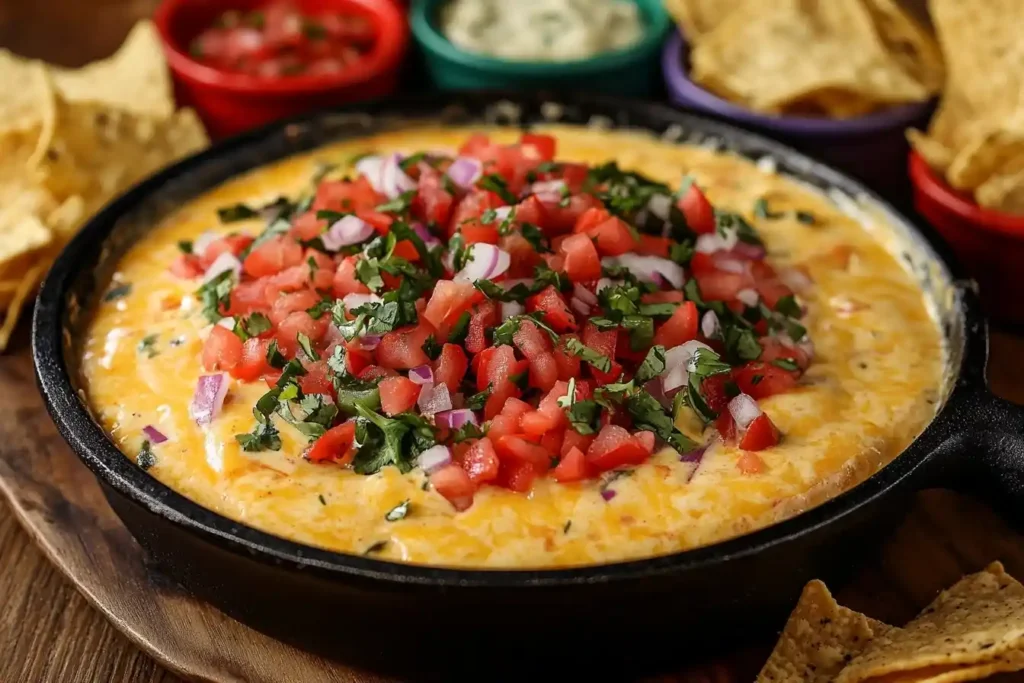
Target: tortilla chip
(697,18)
(27,100)
(97,152)
(909,43)
(986,156)
(135,78)
(819,639)
(21,295)
(768,54)
(975,626)
(935,154)
(1003,192)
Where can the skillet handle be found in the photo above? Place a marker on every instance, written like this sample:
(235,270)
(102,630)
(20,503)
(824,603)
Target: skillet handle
(988,453)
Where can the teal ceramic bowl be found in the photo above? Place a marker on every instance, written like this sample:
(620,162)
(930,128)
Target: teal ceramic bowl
(634,71)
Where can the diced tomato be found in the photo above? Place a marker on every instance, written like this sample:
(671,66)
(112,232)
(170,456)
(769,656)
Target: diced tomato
(680,328)
(336,444)
(543,146)
(651,245)
(448,301)
(381,222)
(556,312)
(452,482)
(316,380)
(720,285)
(287,304)
(714,391)
(406,250)
(222,350)
(468,211)
(531,210)
(612,237)
(229,244)
(345,280)
(761,380)
(582,262)
(543,371)
(559,218)
(501,425)
(374,372)
(530,341)
(495,368)
(297,323)
(537,423)
(768,285)
(253,363)
(398,394)
(773,348)
(432,203)
(450,367)
(518,448)
(750,463)
(552,441)
(568,364)
(647,440)
(475,232)
(573,466)
(699,214)
(523,257)
(481,462)
(664,297)
(186,267)
(573,439)
(356,360)
(612,375)
(601,341)
(615,447)
(347,196)
(590,219)
(761,433)
(517,475)
(402,349)
(273,256)
(307,227)
(482,318)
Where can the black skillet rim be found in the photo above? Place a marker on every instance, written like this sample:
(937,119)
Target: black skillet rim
(115,470)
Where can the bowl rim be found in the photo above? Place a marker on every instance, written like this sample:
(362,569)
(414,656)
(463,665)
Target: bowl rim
(434,42)
(684,91)
(389,47)
(120,474)
(928,183)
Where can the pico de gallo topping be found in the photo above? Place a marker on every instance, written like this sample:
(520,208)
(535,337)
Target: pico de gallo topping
(495,317)
(278,40)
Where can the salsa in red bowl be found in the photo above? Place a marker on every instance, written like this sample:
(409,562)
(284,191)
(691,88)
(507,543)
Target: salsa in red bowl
(244,63)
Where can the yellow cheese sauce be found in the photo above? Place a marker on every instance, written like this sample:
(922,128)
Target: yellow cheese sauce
(873,386)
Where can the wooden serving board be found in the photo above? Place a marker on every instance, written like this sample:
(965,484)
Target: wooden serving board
(61,506)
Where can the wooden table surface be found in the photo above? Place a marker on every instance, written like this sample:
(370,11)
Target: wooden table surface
(48,632)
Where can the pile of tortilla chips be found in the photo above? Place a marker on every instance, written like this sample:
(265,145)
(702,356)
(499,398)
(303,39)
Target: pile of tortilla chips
(971,631)
(977,136)
(836,58)
(70,140)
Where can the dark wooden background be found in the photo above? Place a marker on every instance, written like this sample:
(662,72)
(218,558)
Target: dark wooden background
(49,633)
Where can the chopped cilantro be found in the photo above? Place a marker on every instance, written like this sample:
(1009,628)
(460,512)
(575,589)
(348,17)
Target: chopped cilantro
(399,204)
(652,365)
(146,457)
(185,246)
(263,437)
(459,329)
(390,441)
(788,306)
(320,307)
(216,294)
(578,348)
(118,292)
(648,414)
(477,401)
(466,432)
(307,346)
(761,210)
(274,357)
(336,361)
(235,213)
(496,184)
(431,348)
(252,326)
(786,364)
(147,345)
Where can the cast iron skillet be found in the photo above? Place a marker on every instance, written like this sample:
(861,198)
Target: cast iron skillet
(433,620)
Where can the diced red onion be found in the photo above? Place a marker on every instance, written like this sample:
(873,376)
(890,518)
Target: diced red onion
(677,360)
(200,243)
(453,419)
(580,307)
(434,398)
(370,167)
(154,435)
(695,455)
(227,323)
(501,213)
(346,231)
(355,300)
(649,268)
(709,243)
(393,180)
(744,410)
(655,389)
(660,205)
(608,494)
(223,263)
(429,239)
(208,398)
(796,279)
(369,342)
(710,326)
(748,297)
(465,171)
(488,261)
(674,378)
(422,374)
(746,250)
(511,308)
(434,458)
(509,284)
(604,283)
(549,190)
(584,294)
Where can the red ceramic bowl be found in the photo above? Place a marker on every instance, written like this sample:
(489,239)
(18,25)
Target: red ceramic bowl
(989,243)
(229,103)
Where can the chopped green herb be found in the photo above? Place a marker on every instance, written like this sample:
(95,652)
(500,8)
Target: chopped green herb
(806,218)
(146,457)
(578,348)
(761,210)
(652,365)
(238,212)
(274,357)
(459,329)
(147,345)
(390,441)
(477,401)
(307,346)
(431,348)
(466,432)
(786,364)
(399,204)
(185,246)
(788,306)
(216,295)
(118,292)
(320,307)
(263,437)
(252,326)
(496,184)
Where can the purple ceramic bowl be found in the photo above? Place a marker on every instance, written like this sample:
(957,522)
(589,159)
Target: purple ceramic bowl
(872,146)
